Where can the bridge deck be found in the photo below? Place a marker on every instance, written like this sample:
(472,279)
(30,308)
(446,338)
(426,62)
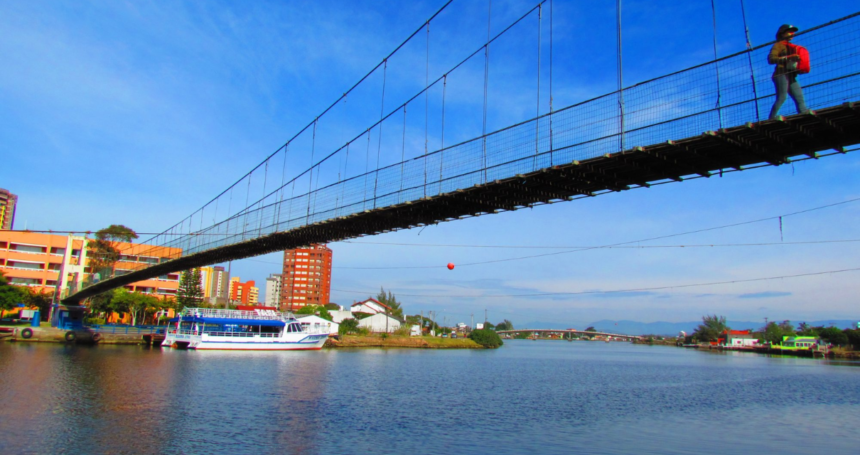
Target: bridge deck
(765,143)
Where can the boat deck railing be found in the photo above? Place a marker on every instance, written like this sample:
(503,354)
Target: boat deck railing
(307,330)
(241,334)
(265,315)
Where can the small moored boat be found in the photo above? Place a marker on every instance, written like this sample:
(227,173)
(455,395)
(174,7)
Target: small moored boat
(259,330)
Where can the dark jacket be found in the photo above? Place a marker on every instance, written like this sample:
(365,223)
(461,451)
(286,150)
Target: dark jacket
(779,56)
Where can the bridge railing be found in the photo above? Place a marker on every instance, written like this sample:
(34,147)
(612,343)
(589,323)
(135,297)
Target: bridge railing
(726,92)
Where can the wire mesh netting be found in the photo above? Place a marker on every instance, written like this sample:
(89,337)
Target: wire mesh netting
(727,92)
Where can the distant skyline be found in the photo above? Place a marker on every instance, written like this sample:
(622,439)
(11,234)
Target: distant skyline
(139,113)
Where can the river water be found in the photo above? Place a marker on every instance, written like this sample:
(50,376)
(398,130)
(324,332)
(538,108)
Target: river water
(528,396)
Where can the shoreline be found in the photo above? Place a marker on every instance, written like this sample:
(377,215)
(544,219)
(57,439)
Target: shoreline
(54,335)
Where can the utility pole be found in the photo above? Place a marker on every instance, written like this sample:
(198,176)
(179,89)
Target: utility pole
(485,316)
(473,321)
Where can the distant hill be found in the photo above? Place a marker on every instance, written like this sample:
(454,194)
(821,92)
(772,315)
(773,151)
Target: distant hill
(672,328)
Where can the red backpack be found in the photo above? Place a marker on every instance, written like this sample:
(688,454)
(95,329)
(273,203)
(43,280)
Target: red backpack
(802,64)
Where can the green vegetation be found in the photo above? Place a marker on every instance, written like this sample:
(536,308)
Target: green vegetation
(711,328)
(10,296)
(774,332)
(505,325)
(348,326)
(318,310)
(133,303)
(833,336)
(139,306)
(486,338)
(190,293)
(389,300)
(853,338)
(103,251)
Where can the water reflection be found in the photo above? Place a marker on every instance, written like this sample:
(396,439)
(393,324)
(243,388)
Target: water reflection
(560,397)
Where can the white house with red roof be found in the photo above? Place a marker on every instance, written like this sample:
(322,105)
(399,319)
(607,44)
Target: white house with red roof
(370,306)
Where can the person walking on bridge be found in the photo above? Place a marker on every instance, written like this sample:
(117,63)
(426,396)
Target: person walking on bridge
(785,73)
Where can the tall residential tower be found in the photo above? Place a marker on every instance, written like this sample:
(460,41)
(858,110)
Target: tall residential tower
(307,277)
(8,201)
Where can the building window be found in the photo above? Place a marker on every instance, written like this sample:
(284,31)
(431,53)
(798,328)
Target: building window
(28,248)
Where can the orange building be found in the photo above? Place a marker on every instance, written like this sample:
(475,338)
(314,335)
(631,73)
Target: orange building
(243,293)
(53,262)
(306,278)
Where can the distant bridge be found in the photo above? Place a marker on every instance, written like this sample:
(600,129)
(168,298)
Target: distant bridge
(562,332)
(695,123)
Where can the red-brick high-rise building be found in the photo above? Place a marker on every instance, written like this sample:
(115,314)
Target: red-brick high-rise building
(307,277)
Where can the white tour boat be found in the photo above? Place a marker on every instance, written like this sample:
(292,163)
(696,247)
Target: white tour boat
(259,330)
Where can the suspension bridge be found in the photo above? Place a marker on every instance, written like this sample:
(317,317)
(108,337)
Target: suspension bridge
(699,122)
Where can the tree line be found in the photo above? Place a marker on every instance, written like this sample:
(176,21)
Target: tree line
(713,326)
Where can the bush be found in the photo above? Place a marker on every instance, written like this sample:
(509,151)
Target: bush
(404,331)
(833,336)
(348,326)
(486,338)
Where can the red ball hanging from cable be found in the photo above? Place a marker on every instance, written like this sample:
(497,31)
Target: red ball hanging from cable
(450,266)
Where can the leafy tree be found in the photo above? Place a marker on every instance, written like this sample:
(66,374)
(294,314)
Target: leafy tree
(190,293)
(41,300)
(307,309)
(323,313)
(489,326)
(807,330)
(133,303)
(590,329)
(317,310)
(103,251)
(711,328)
(101,303)
(391,302)
(10,295)
(332,306)
(167,303)
(486,338)
(833,336)
(348,326)
(774,332)
(853,338)
(505,325)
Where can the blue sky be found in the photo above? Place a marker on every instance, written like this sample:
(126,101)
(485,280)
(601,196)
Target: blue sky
(138,113)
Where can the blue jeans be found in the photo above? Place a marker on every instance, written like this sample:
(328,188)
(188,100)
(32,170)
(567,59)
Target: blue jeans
(786,84)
